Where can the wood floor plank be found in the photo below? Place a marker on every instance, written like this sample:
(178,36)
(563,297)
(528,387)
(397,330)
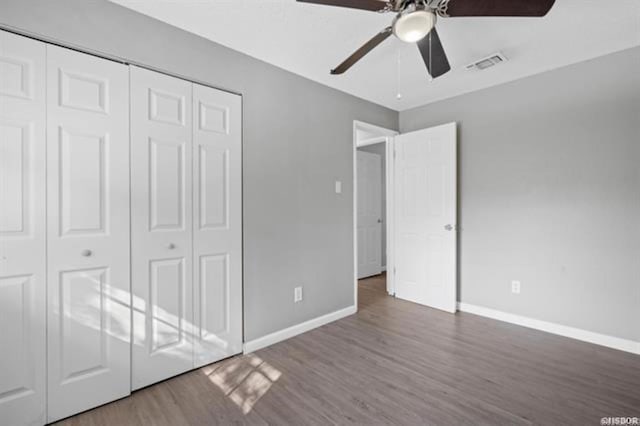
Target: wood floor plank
(396,362)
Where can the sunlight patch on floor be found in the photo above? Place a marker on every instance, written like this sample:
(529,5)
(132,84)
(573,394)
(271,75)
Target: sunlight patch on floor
(244,380)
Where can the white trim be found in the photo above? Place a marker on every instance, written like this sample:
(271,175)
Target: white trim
(355,213)
(390,170)
(549,327)
(372,128)
(371,141)
(287,333)
(386,136)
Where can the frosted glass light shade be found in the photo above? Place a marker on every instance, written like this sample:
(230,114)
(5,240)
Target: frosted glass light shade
(414,26)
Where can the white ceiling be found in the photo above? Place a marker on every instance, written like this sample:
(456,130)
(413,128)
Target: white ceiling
(309,40)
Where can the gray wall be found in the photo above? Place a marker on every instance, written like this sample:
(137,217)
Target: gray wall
(550,193)
(297,140)
(380,149)
(549,169)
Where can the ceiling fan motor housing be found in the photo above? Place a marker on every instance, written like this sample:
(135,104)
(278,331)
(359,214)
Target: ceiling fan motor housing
(414,22)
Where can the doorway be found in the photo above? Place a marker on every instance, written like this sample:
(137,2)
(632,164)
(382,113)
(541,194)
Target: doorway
(372,178)
(405,213)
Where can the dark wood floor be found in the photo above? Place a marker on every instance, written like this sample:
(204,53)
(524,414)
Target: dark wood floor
(396,362)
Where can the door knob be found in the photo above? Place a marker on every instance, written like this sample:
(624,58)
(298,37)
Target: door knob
(86,253)
(171,246)
(448,227)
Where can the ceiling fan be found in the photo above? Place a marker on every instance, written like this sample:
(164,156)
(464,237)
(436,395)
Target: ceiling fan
(415,22)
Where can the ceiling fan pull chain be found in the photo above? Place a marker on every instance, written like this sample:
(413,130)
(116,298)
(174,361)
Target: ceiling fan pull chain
(430,55)
(398,93)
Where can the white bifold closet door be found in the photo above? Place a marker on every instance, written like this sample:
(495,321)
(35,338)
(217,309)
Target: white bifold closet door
(217,224)
(22,231)
(161,242)
(88,232)
(186,225)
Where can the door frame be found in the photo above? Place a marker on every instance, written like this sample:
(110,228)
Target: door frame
(378,135)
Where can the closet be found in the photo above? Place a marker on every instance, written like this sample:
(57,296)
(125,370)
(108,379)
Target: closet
(120,229)
(186,225)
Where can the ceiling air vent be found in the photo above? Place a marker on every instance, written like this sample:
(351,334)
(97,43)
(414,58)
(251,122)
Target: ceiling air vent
(488,62)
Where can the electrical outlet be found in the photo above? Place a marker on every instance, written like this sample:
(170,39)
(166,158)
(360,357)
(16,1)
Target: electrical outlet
(515,287)
(338,187)
(297,294)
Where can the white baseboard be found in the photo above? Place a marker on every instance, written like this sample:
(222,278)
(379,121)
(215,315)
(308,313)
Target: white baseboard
(561,330)
(287,333)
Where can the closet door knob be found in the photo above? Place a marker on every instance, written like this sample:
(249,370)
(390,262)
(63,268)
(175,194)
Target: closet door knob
(86,253)
(171,246)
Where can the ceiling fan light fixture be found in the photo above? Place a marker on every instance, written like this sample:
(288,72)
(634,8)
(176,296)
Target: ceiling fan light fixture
(414,26)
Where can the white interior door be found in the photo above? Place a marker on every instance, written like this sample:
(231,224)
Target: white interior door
(88,232)
(22,230)
(217,224)
(425,212)
(162,252)
(369,214)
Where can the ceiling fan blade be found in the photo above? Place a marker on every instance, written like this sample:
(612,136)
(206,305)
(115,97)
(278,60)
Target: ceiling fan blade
(360,53)
(433,54)
(373,5)
(515,8)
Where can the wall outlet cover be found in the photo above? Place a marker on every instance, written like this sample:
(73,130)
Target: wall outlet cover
(297,294)
(515,287)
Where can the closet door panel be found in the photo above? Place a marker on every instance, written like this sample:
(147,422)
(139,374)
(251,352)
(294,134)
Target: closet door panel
(88,232)
(22,230)
(161,226)
(217,230)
